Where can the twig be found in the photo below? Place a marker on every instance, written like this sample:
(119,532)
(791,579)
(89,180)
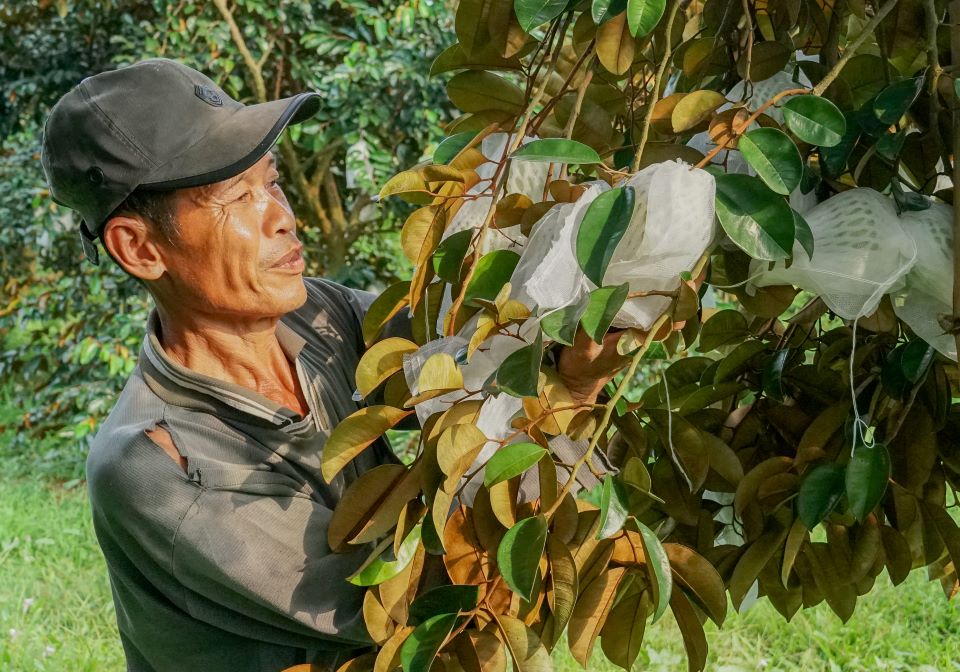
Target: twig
(738,130)
(655,92)
(574,114)
(749,19)
(256,72)
(933,60)
(501,180)
(541,116)
(955,51)
(851,48)
(654,292)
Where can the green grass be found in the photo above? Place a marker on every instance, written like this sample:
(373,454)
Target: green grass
(56,612)
(55,607)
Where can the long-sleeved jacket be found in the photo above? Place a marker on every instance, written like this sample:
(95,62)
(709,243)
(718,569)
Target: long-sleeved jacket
(226,566)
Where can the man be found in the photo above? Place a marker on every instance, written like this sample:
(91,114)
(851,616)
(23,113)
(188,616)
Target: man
(205,478)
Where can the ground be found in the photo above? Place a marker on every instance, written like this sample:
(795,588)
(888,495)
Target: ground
(56,612)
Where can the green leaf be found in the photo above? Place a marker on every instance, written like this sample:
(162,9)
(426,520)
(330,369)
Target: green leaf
(451,146)
(904,367)
(604,10)
(866,478)
(477,91)
(644,15)
(561,324)
(820,491)
(956,88)
(603,225)
(533,13)
(892,378)
(519,374)
(492,272)
(444,600)
(890,144)
(834,159)
(613,507)
(592,495)
(604,304)
(907,200)
(455,58)
(518,556)
(557,150)
(759,221)
(893,102)
(658,564)
(917,356)
(772,376)
(776,159)
(803,233)
(814,120)
(448,257)
(725,327)
(421,647)
(382,569)
(511,460)
(738,360)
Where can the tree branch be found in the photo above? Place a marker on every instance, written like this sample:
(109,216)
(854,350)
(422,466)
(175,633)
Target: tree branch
(955,52)
(256,72)
(850,49)
(655,93)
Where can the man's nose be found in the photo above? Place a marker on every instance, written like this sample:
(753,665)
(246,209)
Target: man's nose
(278,218)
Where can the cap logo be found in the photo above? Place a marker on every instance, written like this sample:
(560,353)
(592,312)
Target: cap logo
(207,95)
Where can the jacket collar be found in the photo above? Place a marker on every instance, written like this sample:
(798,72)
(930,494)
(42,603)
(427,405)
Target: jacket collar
(180,386)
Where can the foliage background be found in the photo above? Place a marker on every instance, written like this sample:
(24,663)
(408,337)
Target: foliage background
(69,332)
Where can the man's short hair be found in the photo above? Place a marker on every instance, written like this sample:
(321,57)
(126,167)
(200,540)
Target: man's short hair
(159,208)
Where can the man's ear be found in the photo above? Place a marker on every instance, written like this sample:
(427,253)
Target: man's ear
(130,241)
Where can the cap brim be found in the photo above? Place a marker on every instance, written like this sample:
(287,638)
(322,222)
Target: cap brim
(235,145)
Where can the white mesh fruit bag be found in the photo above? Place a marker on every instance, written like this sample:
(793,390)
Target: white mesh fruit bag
(672,226)
(928,287)
(861,252)
(548,275)
(525,177)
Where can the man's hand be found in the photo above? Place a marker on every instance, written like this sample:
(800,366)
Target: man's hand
(586,366)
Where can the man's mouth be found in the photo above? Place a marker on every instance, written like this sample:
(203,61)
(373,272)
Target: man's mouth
(291,261)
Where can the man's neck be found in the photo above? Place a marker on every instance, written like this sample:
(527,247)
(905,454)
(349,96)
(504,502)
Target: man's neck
(243,352)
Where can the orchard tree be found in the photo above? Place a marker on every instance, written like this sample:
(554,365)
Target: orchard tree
(369,62)
(756,194)
(70,331)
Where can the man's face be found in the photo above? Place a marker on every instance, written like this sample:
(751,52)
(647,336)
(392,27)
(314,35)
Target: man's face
(237,252)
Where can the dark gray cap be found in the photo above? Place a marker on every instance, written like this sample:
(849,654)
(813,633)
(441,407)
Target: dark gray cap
(157,125)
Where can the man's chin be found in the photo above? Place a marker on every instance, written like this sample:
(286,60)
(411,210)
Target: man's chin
(295,297)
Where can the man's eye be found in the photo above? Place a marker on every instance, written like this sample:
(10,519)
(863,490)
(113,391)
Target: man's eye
(244,197)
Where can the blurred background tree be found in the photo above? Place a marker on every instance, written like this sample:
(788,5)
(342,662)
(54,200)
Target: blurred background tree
(69,332)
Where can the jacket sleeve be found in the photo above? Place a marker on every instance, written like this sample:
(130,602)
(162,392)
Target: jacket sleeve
(250,557)
(246,553)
